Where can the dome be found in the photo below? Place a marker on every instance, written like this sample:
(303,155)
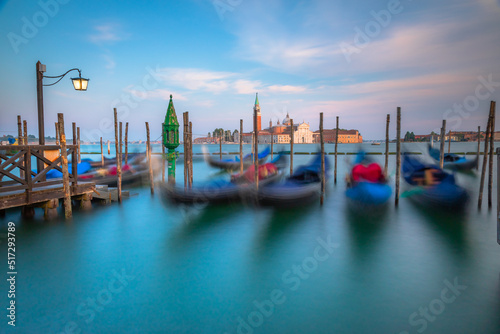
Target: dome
(286,121)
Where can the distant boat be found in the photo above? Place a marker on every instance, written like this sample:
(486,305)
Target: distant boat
(367,185)
(431,186)
(375,143)
(454,161)
(300,189)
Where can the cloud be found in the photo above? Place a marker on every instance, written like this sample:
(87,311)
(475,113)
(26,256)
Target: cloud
(201,80)
(161,94)
(106,33)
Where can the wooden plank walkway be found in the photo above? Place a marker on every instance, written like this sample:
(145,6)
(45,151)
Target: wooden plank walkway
(18,198)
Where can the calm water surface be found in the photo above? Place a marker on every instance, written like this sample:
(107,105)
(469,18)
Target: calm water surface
(148,267)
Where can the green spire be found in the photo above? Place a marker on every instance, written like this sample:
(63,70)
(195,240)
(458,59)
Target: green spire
(256,99)
(171,127)
(171,117)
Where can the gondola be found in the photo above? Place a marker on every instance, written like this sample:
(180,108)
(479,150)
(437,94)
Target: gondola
(302,188)
(131,175)
(222,190)
(453,161)
(367,184)
(431,186)
(234,164)
(133,158)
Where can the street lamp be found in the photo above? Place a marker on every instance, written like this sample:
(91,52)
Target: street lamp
(78,83)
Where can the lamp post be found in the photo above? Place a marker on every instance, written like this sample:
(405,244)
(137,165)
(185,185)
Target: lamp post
(78,83)
(171,139)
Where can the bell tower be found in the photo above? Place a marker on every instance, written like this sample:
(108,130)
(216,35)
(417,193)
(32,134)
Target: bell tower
(256,109)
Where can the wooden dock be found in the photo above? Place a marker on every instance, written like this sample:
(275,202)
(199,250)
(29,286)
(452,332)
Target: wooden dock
(21,187)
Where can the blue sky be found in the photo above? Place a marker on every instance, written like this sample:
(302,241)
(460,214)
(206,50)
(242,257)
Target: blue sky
(357,60)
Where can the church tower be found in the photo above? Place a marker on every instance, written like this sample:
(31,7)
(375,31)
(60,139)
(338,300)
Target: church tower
(256,109)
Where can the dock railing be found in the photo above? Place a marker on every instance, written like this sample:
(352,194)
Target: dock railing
(16,165)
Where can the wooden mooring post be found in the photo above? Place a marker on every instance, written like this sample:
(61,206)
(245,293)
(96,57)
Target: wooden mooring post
(322,140)
(150,164)
(485,158)
(388,121)
(336,151)
(398,155)
(190,156)
(78,143)
(220,145)
(64,162)
(478,146)
(20,137)
(492,150)
(102,155)
(25,135)
(498,195)
(126,143)
(162,155)
(57,133)
(109,147)
(291,146)
(74,155)
(118,162)
(241,146)
(441,146)
(121,144)
(256,149)
(186,148)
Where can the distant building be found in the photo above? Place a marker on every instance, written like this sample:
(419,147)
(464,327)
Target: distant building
(345,136)
(279,133)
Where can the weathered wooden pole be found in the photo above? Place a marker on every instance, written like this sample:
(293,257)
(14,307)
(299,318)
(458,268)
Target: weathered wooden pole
(126,144)
(190,155)
(121,143)
(498,195)
(485,160)
(64,162)
(478,146)
(492,150)
(441,144)
(25,135)
(292,132)
(398,154)
(118,162)
(241,146)
(220,145)
(109,147)
(272,142)
(162,157)
(186,148)
(151,178)
(57,133)
(322,141)
(336,151)
(449,141)
(388,121)
(256,148)
(79,146)
(74,154)
(20,137)
(102,155)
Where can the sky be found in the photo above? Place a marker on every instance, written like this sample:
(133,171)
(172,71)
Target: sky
(358,60)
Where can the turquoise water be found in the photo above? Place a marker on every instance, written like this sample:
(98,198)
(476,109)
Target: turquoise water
(148,267)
